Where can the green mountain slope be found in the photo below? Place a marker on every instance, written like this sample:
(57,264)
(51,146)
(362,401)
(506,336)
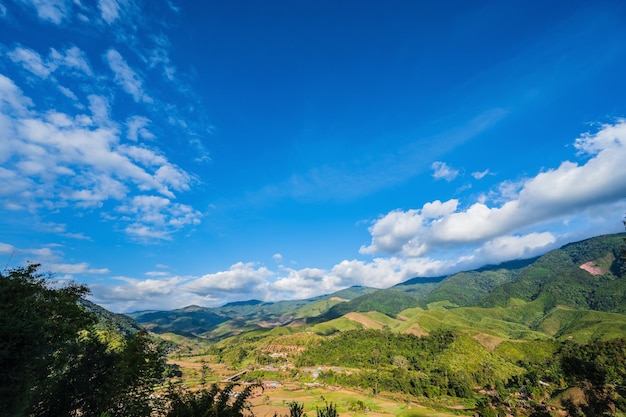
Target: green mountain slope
(466,289)
(553,296)
(118,322)
(188,321)
(390,302)
(584,275)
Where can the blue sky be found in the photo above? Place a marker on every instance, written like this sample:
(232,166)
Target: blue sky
(170,152)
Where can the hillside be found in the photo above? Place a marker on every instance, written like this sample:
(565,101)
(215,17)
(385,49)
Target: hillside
(537,331)
(568,292)
(584,275)
(466,289)
(389,302)
(118,322)
(239,317)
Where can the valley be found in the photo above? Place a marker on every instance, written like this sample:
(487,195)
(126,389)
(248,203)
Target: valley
(503,334)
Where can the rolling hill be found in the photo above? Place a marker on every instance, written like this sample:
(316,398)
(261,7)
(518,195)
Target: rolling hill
(577,291)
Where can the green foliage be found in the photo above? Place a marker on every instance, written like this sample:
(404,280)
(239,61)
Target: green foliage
(38,324)
(389,302)
(466,289)
(296,409)
(212,402)
(94,377)
(329,410)
(189,321)
(55,360)
(528,289)
(119,323)
(558,279)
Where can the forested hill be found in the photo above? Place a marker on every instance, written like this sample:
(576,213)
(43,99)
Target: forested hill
(106,319)
(586,275)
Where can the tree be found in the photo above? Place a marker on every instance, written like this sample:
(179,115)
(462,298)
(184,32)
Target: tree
(54,361)
(39,322)
(212,402)
(296,409)
(329,410)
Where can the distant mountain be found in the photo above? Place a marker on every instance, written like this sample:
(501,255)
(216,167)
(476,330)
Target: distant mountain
(419,287)
(550,296)
(389,302)
(465,289)
(236,317)
(187,321)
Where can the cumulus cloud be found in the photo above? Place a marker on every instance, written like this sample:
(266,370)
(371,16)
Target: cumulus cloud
(141,294)
(303,283)
(20,255)
(443,171)
(6,249)
(240,279)
(245,281)
(397,232)
(31,61)
(550,196)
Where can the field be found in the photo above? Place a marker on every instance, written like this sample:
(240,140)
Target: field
(274,398)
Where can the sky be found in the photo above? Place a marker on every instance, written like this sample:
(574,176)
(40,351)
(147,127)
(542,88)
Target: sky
(175,152)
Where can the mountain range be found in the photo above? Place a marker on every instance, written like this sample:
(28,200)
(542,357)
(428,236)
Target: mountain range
(577,291)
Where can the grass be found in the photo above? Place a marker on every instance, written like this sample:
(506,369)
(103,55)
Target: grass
(340,324)
(349,403)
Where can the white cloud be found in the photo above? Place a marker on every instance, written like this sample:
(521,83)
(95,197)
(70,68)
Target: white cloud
(277,257)
(55,158)
(109,10)
(550,196)
(241,279)
(397,231)
(504,248)
(30,60)
(72,59)
(155,217)
(245,281)
(303,283)
(126,77)
(12,101)
(481,174)
(136,126)
(68,93)
(6,249)
(157,273)
(20,256)
(443,171)
(55,11)
(76,269)
(136,294)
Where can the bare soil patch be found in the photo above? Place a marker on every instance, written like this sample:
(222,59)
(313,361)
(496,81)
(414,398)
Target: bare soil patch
(364,320)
